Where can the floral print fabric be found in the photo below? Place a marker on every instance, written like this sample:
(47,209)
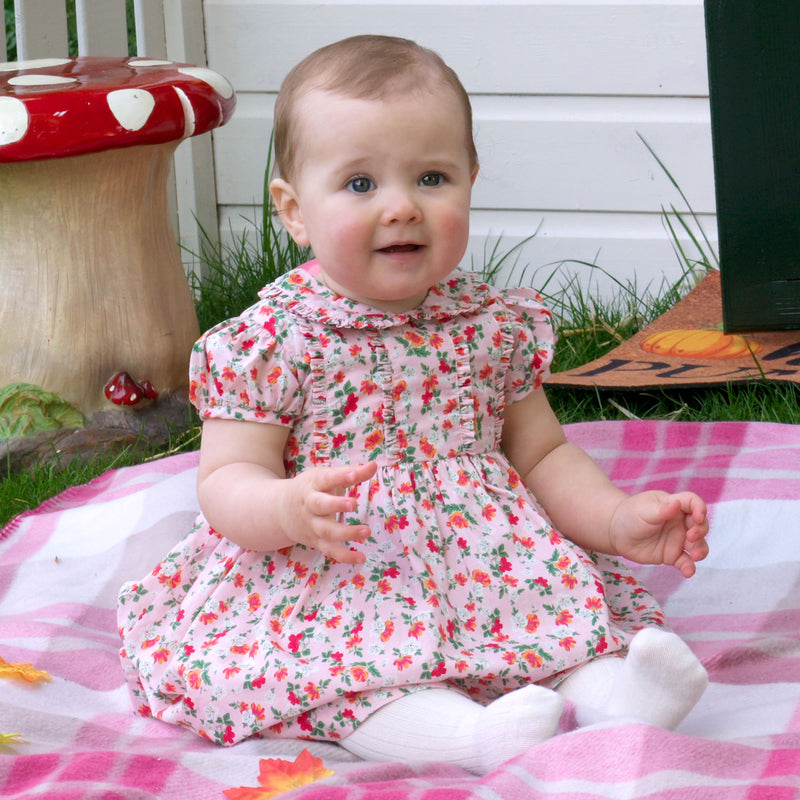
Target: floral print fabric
(466,583)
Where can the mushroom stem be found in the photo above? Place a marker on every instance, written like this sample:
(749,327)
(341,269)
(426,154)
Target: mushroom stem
(91,274)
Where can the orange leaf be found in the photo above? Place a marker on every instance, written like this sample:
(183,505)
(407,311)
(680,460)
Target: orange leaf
(22,670)
(277,776)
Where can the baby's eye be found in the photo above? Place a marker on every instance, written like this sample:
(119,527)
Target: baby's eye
(360,184)
(432,179)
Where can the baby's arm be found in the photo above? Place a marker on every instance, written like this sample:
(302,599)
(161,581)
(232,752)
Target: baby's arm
(652,527)
(245,495)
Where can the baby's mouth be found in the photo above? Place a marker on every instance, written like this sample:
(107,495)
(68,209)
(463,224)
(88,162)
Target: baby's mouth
(408,247)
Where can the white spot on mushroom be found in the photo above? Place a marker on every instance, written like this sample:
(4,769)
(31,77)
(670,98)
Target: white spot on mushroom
(131,107)
(149,62)
(34,63)
(188,113)
(213,79)
(39,80)
(13,120)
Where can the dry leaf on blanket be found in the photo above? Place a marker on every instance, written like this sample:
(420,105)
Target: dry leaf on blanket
(278,776)
(22,670)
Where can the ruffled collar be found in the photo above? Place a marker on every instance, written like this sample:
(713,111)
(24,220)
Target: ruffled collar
(300,292)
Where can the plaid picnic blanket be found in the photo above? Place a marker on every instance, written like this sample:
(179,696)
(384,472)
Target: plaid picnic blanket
(62,565)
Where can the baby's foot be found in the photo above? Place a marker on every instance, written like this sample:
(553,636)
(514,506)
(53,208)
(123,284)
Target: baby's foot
(513,723)
(660,682)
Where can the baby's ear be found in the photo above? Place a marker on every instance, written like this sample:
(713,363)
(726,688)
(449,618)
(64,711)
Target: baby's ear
(287,206)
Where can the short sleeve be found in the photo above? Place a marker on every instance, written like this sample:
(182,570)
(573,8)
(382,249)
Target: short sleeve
(533,343)
(249,369)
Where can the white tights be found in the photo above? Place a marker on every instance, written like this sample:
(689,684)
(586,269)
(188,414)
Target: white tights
(658,682)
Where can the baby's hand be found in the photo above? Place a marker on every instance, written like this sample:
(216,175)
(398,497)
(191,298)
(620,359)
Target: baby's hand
(655,527)
(311,506)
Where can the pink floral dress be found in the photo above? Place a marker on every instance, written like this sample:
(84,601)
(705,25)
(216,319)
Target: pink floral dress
(466,583)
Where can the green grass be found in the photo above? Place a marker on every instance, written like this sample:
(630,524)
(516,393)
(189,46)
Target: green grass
(588,327)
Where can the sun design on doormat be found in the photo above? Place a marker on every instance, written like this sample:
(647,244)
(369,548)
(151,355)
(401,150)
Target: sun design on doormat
(700,343)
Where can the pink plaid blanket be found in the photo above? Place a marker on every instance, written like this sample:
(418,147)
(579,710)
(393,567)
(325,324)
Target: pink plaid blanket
(61,567)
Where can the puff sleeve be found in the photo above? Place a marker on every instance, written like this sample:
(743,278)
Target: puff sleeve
(533,343)
(249,368)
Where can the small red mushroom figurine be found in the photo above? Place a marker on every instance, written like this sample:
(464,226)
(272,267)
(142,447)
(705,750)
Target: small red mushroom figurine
(125,391)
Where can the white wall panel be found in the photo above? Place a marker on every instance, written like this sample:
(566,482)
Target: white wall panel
(628,48)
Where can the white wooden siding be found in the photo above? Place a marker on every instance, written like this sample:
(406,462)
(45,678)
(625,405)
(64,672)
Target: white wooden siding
(560,91)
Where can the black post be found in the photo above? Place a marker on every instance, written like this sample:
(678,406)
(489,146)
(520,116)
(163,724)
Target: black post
(754,83)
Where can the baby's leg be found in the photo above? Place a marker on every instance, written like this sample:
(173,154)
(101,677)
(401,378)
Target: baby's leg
(442,725)
(659,682)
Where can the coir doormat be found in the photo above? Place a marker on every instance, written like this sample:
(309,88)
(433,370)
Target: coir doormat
(686,346)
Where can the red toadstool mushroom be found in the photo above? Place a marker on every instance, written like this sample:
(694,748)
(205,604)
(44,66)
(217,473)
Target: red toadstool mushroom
(90,269)
(122,390)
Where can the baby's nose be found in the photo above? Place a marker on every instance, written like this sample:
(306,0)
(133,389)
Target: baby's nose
(401,206)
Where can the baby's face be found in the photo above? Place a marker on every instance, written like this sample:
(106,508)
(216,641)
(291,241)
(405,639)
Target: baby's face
(382,193)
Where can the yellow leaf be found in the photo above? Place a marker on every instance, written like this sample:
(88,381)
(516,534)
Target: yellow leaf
(22,670)
(10,738)
(277,776)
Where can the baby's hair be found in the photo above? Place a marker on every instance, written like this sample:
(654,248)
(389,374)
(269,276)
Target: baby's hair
(367,67)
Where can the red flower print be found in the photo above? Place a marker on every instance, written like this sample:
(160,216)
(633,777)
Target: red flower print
(532,658)
(444,367)
(170,581)
(417,629)
(505,565)
(312,691)
(414,339)
(305,725)
(275,375)
(426,447)
(360,674)
(594,604)
(195,678)
(568,643)
(293,699)
(489,511)
(375,439)
(228,737)
(294,642)
(351,405)
(208,617)
(532,623)
(368,387)
(161,655)
(398,389)
(254,601)
(391,572)
(458,520)
(260,681)
(388,631)
(602,645)
(479,576)
(439,670)
(564,617)
(569,580)
(404,662)
(229,672)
